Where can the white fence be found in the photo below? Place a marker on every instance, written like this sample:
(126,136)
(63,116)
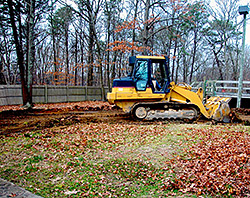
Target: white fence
(223,88)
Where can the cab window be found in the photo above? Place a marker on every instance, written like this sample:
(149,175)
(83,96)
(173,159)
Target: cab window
(141,75)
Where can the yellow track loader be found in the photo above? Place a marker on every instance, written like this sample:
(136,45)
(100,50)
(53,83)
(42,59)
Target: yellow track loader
(147,93)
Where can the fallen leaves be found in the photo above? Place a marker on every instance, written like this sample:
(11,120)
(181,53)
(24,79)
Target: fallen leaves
(82,106)
(219,163)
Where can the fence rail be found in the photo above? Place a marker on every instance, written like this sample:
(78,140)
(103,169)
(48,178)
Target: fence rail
(12,94)
(223,88)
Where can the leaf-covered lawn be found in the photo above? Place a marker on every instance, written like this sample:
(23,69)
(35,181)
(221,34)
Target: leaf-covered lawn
(129,159)
(217,163)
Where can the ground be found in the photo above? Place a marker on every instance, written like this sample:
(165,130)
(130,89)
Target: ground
(94,149)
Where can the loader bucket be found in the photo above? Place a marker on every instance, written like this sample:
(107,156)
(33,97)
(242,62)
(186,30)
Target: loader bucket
(218,108)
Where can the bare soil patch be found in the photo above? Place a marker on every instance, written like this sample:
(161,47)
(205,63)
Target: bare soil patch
(15,119)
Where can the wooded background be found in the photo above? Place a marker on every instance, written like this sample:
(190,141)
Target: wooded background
(88,42)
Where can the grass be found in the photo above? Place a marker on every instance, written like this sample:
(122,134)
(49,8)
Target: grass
(98,159)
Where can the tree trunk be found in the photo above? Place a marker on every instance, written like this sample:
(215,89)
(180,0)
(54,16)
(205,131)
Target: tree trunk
(8,79)
(218,65)
(82,59)
(113,71)
(133,32)
(2,79)
(174,59)
(168,52)
(235,62)
(146,28)
(193,58)
(177,70)
(67,54)
(100,69)
(27,42)
(76,64)
(108,54)
(120,65)
(184,69)
(19,51)
(31,51)
(91,55)
(54,56)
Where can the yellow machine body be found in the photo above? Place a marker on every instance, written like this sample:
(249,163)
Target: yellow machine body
(127,95)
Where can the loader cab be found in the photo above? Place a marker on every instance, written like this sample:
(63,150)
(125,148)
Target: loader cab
(150,72)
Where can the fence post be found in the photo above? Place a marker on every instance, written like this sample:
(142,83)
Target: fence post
(6,96)
(67,93)
(214,88)
(86,92)
(46,94)
(205,88)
